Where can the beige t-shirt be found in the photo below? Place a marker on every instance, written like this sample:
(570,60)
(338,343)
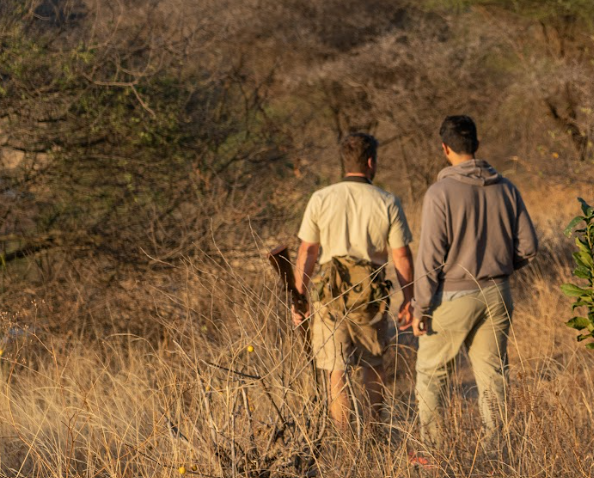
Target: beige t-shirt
(355,219)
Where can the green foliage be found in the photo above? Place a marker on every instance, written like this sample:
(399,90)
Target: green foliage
(127,149)
(583,227)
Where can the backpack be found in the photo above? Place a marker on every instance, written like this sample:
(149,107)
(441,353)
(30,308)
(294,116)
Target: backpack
(349,285)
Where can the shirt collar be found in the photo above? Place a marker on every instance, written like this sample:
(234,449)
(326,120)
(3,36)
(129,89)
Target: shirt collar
(356,179)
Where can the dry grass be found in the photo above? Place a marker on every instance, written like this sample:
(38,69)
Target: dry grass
(198,399)
(143,405)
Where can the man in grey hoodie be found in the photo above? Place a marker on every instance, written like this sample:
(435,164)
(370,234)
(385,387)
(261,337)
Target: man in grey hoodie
(475,233)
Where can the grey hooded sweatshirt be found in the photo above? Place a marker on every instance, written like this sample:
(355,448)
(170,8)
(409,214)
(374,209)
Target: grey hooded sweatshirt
(475,231)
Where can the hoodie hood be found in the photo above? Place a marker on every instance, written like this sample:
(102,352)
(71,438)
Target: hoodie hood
(474,171)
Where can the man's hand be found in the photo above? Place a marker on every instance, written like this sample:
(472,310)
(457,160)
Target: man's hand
(420,326)
(299,316)
(405,315)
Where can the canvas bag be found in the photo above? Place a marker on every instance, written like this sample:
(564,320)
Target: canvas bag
(348,285)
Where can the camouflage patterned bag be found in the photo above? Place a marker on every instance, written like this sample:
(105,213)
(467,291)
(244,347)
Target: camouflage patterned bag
(349,285)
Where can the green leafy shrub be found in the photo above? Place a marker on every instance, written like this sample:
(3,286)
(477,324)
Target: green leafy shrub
(583,228)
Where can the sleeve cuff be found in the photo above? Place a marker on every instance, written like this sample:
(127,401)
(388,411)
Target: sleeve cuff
(306,238)
(419,311)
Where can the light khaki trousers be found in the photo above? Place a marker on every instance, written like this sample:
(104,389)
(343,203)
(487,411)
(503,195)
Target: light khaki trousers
(480,321)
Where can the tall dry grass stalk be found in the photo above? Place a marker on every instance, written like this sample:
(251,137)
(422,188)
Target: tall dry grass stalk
(202,400)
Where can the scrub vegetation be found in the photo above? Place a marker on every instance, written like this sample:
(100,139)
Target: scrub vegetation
(583,226)
(152,151)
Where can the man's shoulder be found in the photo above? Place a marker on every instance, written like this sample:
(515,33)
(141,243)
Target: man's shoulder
(325,191)
(505,182)
(385,195)
(441,187)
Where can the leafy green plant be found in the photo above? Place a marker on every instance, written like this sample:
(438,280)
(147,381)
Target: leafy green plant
(583,228)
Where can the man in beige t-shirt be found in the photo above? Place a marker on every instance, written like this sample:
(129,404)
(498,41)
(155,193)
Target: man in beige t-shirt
(360,224)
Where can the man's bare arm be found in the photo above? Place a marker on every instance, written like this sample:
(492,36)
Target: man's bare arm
(403,263)
(306,263)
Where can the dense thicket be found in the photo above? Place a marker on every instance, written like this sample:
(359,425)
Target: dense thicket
(138,135)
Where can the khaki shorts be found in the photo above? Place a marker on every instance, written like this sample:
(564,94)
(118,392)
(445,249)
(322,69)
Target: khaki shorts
(339,340)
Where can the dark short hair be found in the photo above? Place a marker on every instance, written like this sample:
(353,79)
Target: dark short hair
(356,149)
(459,134)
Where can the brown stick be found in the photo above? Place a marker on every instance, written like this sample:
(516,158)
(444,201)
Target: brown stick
(281,262)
